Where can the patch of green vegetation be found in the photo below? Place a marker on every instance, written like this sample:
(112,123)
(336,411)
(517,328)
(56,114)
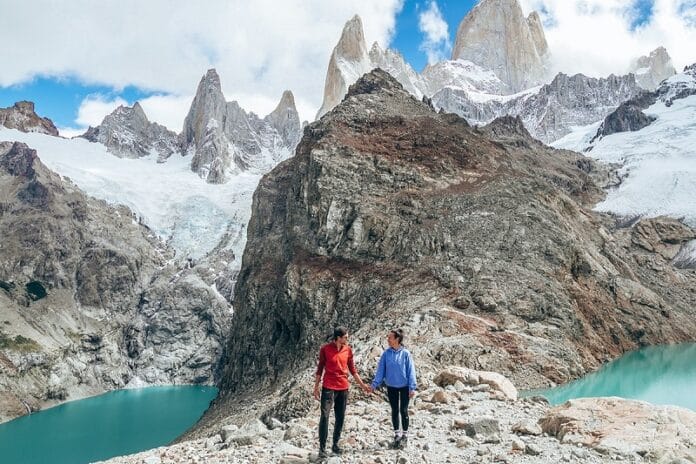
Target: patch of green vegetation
(18,343)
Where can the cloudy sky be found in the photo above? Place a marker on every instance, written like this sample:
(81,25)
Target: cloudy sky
(79,59)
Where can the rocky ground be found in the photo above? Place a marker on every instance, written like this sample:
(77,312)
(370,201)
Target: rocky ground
(461,416)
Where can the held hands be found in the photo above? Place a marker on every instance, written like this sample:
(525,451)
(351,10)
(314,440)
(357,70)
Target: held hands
(411,393)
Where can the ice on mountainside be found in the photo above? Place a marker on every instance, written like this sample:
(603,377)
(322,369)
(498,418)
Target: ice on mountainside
(180,207)
(658,162)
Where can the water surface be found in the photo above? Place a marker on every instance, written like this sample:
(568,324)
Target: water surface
(97,428)
(657,374)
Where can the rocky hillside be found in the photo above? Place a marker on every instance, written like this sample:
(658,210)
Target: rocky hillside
(480,243)
(21,116)
(89,300)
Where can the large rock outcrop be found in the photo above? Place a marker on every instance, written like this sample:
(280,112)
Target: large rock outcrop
(223,139)
(496,36)
(481,243)
(21,116)
(127,133)
(89,299)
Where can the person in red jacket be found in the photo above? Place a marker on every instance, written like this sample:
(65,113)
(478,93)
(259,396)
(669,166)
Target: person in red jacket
(335,361)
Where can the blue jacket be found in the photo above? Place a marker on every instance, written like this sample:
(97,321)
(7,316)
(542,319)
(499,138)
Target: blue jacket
(396,369)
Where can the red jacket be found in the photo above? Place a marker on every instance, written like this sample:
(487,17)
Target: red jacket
(335,365)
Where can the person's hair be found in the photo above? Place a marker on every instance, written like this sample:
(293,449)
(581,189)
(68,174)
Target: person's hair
(339,332)
(398,334)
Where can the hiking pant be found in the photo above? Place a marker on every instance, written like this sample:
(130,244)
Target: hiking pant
(338,399)
(398,400)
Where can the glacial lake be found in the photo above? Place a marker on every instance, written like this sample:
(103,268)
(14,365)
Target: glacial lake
(97,428)
(657,374)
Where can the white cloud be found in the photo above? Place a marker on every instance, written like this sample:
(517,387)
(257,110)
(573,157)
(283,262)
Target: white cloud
(595,37)
(258,48)
(436,41)
(168,110)
(93,109)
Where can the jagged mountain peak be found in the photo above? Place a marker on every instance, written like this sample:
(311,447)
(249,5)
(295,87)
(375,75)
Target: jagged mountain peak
(496,36)
(225,139)
(349,60)
(351,45)
(21,116)
(285,119)
(652,69)
(127,133)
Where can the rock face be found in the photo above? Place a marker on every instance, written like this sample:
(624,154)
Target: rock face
(349,60)
(88,301)
(550,112)
(127,133)
(393,215)
(496,36)
(21,116)
(651,70)
(224,139)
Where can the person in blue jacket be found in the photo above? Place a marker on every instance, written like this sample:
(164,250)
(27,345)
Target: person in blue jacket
(397,371)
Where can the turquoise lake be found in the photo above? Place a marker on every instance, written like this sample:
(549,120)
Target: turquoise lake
(97,428)
(657,374)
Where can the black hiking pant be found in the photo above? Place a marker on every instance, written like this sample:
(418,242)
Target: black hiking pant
(338,399)
(398,400)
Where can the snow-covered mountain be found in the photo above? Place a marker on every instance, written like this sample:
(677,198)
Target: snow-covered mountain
(471,86)
(657,161)
(224,140)
(127,133)
(549,112)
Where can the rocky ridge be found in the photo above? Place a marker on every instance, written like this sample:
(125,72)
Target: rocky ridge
(90,300)
(127,133)
(550,112)
(223,139)
(21,116)
(479,242)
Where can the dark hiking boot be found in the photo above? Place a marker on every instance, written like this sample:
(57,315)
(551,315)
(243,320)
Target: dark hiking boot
(335,449)
(403,442)
(322,454)
(396,443)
